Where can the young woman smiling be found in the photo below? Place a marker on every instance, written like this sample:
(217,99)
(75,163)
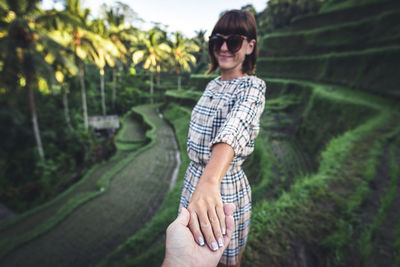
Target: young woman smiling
(223,127)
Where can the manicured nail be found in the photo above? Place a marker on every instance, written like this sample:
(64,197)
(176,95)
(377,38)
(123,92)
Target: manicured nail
(214,246)
(201,241)
(223,231)
(220,242)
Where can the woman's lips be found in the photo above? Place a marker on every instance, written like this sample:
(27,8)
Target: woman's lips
(224,56)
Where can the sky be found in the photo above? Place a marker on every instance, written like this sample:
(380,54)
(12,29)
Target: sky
(186,16)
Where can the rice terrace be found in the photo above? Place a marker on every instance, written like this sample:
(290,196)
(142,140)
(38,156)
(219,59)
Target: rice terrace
(324,174)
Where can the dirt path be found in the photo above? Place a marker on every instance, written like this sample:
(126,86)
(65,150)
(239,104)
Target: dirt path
(100,225)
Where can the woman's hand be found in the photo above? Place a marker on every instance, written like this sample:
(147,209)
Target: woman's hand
(207,218)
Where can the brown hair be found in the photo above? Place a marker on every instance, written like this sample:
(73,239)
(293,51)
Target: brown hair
(236,22)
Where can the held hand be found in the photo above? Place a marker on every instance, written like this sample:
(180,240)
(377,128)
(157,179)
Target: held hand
(181,250)
(207,218)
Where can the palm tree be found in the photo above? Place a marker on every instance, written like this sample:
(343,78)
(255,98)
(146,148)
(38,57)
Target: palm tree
(106,52)
(60,77)
(26,50)
(153,52)
(181,50)
(202,55)
(121,33)
(81,41)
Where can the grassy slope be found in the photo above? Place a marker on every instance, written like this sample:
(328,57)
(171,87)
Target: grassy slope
(321,220)
(285,227)
(376,31)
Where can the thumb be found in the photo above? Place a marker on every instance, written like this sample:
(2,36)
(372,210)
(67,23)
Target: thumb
(183,217)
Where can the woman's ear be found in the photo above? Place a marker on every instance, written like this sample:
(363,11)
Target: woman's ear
(250,47)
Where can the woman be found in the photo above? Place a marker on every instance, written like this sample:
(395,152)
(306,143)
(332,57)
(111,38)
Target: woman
(223,127)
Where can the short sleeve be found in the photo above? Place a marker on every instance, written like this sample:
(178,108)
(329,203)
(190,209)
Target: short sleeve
(242,122)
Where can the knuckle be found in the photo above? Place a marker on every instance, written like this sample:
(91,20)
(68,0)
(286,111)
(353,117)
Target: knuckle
(205,225)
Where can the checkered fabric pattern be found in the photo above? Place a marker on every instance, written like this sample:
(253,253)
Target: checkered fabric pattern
(228,112)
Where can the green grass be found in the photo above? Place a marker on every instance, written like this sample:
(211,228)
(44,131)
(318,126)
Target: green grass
(367,236)
(279,222)
(330,6)
(343,15)
(338,68)
(276,223)
(344,238)
(376,31)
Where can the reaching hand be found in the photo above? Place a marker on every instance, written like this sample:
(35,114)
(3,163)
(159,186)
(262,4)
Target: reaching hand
(182,250)
(207,219)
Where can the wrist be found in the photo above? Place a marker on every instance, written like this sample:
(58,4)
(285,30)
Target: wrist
(209,180)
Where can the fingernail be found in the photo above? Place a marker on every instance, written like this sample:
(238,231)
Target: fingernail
(201,241)
(214,246)
(220,243)
(223,231)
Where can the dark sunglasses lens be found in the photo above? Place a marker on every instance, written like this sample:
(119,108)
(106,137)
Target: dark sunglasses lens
(216,42)
(234,43)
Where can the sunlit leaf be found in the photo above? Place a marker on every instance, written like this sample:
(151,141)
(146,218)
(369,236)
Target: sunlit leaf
(59,76)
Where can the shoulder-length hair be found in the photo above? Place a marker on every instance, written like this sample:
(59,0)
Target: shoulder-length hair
(236,22)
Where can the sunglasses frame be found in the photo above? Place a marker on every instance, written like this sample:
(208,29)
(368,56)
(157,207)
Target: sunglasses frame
(213,45)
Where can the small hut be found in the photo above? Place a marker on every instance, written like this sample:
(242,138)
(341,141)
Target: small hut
(104,126)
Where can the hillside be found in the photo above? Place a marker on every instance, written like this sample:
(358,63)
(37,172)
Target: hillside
(330,183)
(324,173)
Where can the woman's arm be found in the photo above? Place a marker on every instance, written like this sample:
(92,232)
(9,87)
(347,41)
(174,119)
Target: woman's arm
(207,219)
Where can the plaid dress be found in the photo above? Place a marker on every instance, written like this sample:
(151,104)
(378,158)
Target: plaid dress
(228,112)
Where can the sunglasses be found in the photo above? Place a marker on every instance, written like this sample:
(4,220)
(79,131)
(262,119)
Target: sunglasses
(233,42)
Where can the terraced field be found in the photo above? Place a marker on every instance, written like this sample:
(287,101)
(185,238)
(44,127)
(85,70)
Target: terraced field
(324,172)
(123,194)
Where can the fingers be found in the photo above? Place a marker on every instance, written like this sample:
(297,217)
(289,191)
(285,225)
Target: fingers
(221,217)
(195,229)
(216,226)
(229,208)
(207,230)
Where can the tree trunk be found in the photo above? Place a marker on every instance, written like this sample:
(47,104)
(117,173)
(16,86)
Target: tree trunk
(178,72)
(151,87)
(179,82)
(158,75)
(114,85)
(66,108)
(83,93)
(35,124)
(103,100)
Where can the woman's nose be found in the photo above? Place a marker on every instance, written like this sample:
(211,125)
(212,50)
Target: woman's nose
(224,46)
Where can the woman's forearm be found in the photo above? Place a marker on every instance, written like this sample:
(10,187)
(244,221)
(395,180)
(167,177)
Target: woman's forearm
(221,156)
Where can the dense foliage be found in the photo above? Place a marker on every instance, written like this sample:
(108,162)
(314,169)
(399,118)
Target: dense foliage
(57,68)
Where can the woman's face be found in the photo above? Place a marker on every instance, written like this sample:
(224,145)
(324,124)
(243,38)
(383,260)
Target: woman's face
(232,62)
